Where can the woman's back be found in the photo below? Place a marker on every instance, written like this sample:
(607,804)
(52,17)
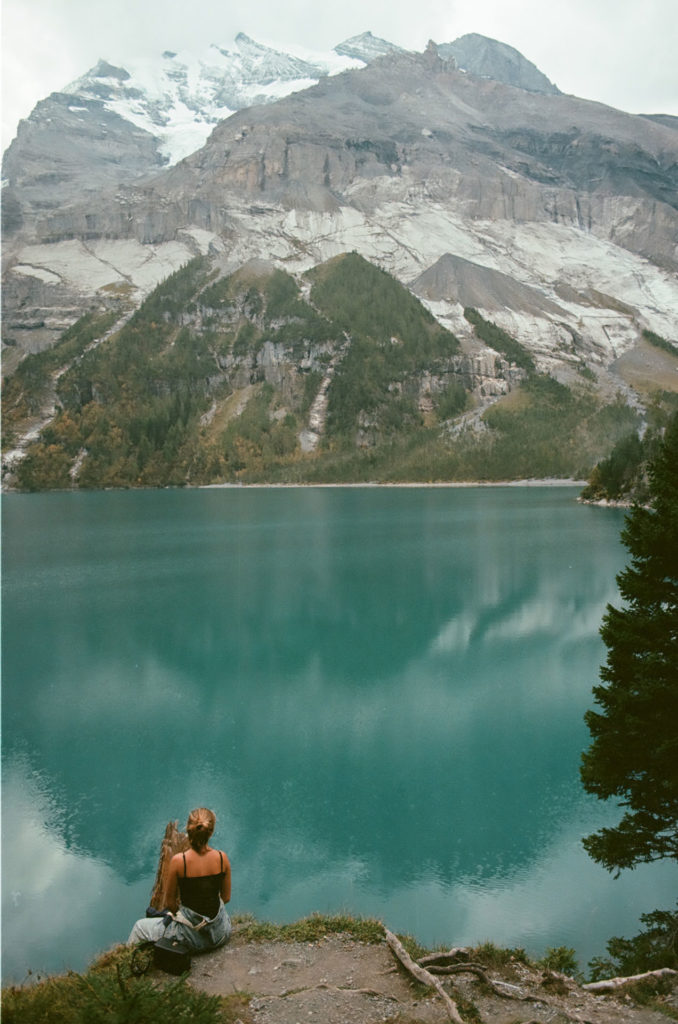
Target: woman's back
(199,885)
(198,863)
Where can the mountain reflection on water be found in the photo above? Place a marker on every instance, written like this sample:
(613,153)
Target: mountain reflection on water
(379,691)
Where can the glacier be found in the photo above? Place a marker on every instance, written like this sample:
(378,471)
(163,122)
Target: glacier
(180,98)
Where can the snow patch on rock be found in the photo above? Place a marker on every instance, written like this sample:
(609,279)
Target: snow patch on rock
(89,267)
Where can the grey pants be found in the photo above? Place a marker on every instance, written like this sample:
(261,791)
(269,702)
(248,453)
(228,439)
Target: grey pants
(210,935)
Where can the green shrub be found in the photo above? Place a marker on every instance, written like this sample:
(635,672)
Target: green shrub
(452,401)
(45,467)
(560,958)
(109,994)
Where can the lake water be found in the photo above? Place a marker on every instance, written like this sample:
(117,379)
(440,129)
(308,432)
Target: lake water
(379,691)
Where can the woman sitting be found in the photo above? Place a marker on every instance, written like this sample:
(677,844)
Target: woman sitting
(197,890)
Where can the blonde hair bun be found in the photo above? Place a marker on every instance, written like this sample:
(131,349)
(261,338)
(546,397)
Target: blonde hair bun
(200,826)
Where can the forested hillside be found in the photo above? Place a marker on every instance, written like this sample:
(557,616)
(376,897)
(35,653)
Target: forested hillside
(340,374)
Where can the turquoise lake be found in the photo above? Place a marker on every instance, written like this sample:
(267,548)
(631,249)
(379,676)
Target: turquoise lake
(379,691)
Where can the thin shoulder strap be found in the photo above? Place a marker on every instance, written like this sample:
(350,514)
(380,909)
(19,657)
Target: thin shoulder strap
(185,869)
(221,861)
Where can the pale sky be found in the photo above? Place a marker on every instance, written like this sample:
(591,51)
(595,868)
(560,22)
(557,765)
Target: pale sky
(620,52)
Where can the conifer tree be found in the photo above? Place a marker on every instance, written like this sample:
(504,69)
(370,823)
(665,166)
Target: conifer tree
(634,751)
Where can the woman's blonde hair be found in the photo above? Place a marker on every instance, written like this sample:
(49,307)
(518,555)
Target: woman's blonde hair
(200,826)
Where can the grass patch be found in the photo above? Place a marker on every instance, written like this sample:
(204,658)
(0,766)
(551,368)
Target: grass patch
(310,929)
(495,956)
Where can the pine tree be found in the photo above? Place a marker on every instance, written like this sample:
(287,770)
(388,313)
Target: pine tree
(634,753)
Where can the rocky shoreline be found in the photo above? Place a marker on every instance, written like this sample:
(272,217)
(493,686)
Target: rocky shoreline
(531,482)
(342,970)
(337,979)
(453,484)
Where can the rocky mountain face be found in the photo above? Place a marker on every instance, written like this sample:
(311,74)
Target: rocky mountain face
(116,124)
(462,171)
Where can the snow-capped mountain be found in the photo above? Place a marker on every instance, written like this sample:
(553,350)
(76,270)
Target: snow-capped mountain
(117,123)
(556,216)
(181,97)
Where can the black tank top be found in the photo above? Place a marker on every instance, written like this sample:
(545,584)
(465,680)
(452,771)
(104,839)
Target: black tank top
(201,893)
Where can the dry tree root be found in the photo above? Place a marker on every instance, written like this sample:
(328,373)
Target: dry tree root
(479,972)
(448,963)
(453,962)
(422,975)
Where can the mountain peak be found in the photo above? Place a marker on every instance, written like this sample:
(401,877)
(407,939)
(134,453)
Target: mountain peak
(366,47)
(106,70)
(488,58)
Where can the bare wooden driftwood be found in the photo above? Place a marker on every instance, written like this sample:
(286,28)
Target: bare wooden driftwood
(173,842)
(422,975)
(611,984)
(452,956)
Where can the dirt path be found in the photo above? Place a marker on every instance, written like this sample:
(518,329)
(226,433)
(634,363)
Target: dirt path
(338,980)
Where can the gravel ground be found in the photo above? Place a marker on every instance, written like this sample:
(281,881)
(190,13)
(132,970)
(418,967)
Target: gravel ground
(338,980)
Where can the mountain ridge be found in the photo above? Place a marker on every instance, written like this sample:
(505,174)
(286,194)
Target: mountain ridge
(553,217)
